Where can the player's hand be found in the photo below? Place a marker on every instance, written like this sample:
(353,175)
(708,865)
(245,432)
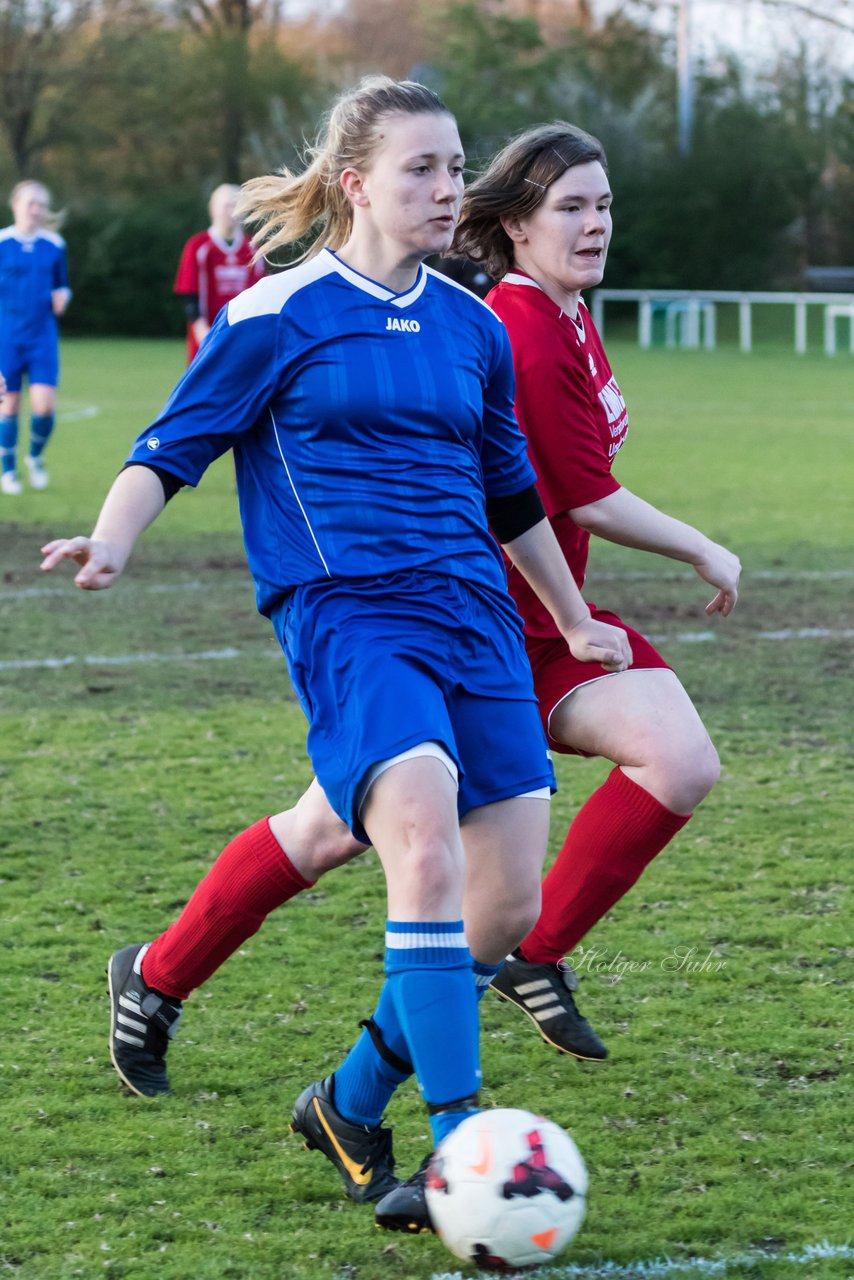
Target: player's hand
(59,301)
(200,329)
(99,564)
(592,641)
(722,569)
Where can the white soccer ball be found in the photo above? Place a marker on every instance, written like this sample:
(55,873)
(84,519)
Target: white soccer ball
(506,1189)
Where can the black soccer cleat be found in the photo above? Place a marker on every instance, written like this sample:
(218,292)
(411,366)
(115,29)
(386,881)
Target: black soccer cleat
(405,1208)
(361,1155)
(142,1022)
(545,993)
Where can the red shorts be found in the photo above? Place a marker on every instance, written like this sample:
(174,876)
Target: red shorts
(557,672)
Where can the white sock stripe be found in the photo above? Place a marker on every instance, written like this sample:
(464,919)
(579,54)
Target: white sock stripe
(414,941)
(129,1039)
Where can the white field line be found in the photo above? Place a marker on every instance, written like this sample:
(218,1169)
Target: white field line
(78,414)
(167,588)
(658,1268)
(761,575)
(229,654)
(153,589)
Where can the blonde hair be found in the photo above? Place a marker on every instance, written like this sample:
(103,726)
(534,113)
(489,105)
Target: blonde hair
(286,207)
(514,185)
(53,219)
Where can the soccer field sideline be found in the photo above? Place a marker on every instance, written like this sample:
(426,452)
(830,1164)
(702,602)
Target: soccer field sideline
(656,1268)
(231,654)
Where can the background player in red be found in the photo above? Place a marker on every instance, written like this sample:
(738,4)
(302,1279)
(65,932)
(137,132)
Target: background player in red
(539,220)
(215,266)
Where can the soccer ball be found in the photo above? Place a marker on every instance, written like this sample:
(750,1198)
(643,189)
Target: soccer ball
(506,1189)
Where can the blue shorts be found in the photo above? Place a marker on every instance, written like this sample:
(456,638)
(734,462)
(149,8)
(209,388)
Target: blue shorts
(36,357)
(381,666)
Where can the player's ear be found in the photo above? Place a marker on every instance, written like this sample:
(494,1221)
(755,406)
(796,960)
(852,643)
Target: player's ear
(353,185)
(512,225)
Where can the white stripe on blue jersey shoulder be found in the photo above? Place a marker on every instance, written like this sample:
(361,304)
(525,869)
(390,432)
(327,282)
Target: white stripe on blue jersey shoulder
(8,233)
(268,296)
(53,236)
(455,284)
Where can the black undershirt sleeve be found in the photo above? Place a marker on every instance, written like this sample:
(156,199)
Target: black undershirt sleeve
(191,306)
(510,517)
(171,483)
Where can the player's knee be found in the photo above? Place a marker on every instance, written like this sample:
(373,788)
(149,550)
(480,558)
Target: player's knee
(687,773)
(432,868)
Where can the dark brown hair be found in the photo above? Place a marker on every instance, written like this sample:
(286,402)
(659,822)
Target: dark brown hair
(514,185)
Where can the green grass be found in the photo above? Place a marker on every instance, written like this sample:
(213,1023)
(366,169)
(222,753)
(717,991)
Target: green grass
(716,1129)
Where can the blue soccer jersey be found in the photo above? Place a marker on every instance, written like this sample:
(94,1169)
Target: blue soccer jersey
(31,267)
(368,427)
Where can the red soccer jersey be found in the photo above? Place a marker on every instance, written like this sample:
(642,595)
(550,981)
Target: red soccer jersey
(216,271)
(574,417)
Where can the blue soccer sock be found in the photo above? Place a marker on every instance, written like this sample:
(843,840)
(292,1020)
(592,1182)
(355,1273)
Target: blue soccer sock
(8,440)
(429,975)
(371,1073)
(368,1077)
(483,975)
(41,429)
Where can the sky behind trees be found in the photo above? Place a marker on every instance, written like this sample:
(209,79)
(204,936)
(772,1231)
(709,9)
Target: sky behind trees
(133,110)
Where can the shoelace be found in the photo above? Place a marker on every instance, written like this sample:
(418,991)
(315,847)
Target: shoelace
(378,1148)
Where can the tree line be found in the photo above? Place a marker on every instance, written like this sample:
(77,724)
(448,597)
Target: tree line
(133,110)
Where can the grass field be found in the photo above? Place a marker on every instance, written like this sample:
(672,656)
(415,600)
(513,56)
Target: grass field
(144,726)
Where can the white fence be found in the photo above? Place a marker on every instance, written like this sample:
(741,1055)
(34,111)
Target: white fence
(690,317)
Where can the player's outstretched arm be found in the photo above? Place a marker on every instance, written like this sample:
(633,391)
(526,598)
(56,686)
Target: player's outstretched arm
(134,501)
(624,518)
(538,557)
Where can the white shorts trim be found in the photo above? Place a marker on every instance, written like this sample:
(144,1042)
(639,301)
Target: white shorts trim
(609,675)
(541,793)
(412,753)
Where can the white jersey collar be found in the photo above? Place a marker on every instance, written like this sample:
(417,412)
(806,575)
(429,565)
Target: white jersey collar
(227,246)
(514,277)
(379,290)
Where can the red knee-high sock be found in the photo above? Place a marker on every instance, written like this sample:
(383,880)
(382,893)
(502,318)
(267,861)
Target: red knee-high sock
(250,878)
(612,838)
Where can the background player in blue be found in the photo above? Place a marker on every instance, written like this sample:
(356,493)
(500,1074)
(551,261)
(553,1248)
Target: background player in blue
(369,404)
(33,293)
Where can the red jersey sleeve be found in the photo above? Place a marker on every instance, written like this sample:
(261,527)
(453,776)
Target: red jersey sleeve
(187,278)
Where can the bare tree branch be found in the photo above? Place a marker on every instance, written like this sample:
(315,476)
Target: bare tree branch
(796,6)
